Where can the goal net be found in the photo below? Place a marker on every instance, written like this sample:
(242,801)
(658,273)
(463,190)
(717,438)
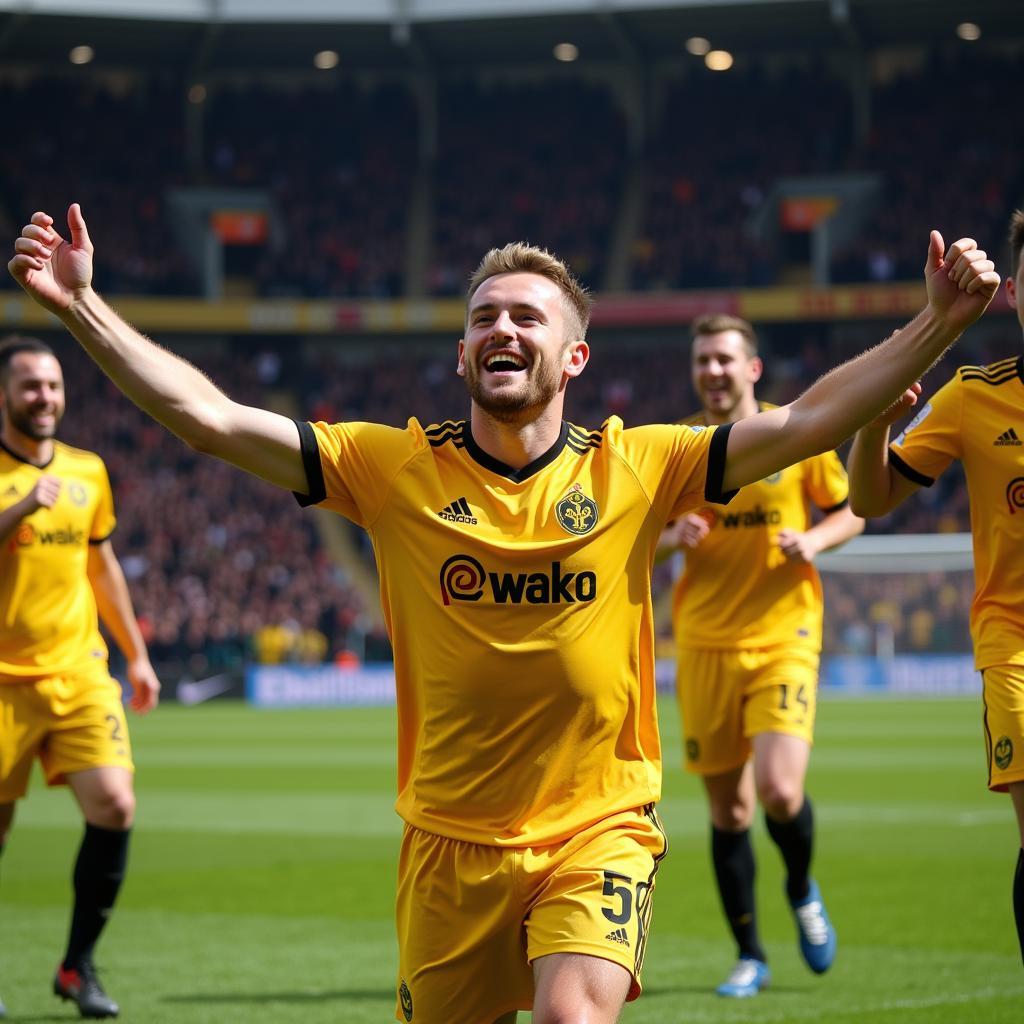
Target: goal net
(897,608)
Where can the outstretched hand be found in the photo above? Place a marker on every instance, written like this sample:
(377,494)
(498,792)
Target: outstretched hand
(54,271)
(961,282)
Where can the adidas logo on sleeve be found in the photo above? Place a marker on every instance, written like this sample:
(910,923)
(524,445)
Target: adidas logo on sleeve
(1007,437)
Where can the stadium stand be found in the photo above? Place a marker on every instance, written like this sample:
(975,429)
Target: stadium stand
(378,189)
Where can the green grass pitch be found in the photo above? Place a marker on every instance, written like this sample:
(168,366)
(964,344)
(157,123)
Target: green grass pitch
(262,878)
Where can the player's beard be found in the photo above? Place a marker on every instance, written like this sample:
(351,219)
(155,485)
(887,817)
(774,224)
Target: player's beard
(507,405)
(21,420)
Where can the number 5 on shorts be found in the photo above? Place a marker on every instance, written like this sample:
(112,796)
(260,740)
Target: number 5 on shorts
(622,892)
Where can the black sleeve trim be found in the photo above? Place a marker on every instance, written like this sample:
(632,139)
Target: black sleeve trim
(716,467)
(835,508)
(909,472)
(102,540)
(317,489)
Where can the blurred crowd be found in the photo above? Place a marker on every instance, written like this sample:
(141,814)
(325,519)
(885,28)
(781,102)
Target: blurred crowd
(225,569)
(222,567)
(554,160)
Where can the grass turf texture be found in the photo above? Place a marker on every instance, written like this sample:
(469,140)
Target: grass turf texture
(262,878)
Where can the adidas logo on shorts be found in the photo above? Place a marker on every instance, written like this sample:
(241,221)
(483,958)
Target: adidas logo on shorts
(1008,437)
(619,935)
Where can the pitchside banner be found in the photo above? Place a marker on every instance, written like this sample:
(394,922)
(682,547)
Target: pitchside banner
(926,675)
(296,686)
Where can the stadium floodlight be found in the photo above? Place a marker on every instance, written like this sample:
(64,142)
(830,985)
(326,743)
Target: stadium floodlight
(698,46)
(718,60)
(968,31)
(81,54)
(566,52)
(325,60)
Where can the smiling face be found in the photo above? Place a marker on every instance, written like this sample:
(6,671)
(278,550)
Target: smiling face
(32,395)
(724,374)
(515,356)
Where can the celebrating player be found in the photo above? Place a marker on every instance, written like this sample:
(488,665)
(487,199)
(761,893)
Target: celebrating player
(747,617)
(978,418)
(57,700)
(528,752)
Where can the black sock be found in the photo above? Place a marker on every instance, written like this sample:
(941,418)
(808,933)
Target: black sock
(99,871)
(733,857)
(795,840)
(1018,900)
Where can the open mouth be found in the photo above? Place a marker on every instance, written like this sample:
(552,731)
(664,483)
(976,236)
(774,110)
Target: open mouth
(504,362)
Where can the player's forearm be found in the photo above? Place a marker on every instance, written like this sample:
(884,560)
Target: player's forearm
(10,517)
(838,404)
(836,528)
(166,387)
(871,491)
(114,604)
(859,390)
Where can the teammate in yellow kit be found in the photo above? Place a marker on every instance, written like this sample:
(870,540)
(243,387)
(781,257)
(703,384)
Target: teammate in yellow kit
(57,700)
(978,418)
(747,617)
(514,553)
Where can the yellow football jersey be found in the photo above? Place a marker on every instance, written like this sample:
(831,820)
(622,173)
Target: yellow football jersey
(974,418)
(519,606)
(738,590)
(48,620)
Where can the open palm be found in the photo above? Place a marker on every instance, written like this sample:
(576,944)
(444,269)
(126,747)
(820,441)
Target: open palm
(51,269)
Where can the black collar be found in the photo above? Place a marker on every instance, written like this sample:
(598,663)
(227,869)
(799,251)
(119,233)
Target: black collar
(28,462)
(497,466)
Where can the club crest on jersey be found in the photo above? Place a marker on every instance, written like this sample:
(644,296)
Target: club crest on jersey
(405,998)
(576,512)
(1003,753)
(78,494)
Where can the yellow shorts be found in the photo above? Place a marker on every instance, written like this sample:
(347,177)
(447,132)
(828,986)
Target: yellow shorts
(472,918)
(73,723)
(726,697)
(1003,695)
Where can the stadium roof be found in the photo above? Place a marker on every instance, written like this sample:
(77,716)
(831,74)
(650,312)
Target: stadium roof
(207,36)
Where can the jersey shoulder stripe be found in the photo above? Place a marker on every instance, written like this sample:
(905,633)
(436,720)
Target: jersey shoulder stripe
(995,373)
(580,440)
(441,433)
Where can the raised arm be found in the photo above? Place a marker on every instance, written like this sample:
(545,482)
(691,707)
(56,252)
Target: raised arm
(57,274)
(875,487)
(960,283)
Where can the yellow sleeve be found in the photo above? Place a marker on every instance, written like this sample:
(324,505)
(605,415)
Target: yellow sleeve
(104,521)
(350,466)
(825,481)
(931,441)
(681,468)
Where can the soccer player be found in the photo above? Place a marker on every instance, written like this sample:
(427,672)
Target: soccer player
(747,617)
(514,552)
(978,418)
(57,699)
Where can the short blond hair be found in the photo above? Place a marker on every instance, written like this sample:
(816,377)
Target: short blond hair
(716,323)
(522,258)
